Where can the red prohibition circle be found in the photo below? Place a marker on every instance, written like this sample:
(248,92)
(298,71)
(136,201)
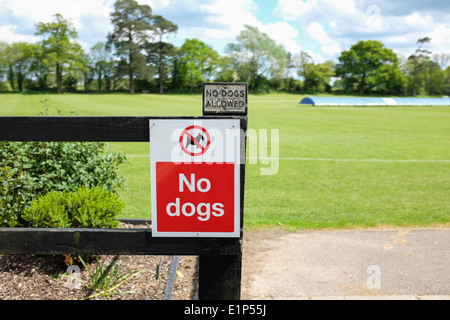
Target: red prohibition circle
(203,149)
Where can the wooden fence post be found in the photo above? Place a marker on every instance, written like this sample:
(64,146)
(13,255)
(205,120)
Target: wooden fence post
(220,275)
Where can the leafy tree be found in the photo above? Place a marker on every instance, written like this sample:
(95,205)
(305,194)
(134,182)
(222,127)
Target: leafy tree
(290,64)
(390,80)
(426,74)
(418,59)
(263,58)
(316,77)
(160,51)
(100,63)
(232,66)
(442,59)
(38,68)
(447,80)
(58,48)
(3,63)
(132,24)
(196,62)
(17,57)
(368,65)
(433,78)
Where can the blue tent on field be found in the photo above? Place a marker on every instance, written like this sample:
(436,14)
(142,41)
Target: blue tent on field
(374,101)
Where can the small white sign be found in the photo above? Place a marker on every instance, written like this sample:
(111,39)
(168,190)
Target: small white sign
(225,98)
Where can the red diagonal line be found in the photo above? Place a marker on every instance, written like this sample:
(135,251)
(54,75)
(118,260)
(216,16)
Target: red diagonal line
(195,141)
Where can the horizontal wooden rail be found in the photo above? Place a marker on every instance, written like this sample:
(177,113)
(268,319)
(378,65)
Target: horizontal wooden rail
(107,129)
(109,242)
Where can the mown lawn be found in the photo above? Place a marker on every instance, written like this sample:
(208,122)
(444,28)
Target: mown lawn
(338,167)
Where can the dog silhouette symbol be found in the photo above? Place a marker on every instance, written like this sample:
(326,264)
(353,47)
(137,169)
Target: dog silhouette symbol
(190,142)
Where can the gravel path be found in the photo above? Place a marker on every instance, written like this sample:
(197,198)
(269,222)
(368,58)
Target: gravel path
(412,263)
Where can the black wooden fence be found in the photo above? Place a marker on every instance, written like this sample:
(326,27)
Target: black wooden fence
(220,259)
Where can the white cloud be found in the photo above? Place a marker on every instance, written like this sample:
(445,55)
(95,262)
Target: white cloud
(418,20)
(219,22)
(317,31)
(440,39)
(215,22)
(323,20)
(330,47)
(306,12)
(283,33)
(336,25)
(91,18)
(227,18)
(294,9)
(402,32)
(397,39)
(43,10)
(9,35)
(160,4)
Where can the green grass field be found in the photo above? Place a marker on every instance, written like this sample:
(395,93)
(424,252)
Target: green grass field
(339,167)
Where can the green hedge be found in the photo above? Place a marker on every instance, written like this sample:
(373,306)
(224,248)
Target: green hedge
(12,199)
(32,170)
(85,208)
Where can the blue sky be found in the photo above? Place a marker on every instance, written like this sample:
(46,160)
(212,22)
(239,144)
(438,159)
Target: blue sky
(323,28)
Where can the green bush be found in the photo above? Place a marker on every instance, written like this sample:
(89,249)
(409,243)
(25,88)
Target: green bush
(85,208)
(62,166)
(58,166)
(11,198)
(53,166)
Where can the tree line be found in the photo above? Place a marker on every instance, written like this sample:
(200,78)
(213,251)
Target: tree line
(136,57)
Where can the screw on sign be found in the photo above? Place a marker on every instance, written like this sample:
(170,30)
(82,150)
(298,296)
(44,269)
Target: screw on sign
(199,197)
(201,141)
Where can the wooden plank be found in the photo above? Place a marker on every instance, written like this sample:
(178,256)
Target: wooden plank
(109,242)
(220,277)
(74,129)
(107,129)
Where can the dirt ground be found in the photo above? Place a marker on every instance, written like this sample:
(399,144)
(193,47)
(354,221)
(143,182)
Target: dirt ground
(30,277)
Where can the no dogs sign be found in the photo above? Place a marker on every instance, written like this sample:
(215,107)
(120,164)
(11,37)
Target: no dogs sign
(195,177)
(198,142)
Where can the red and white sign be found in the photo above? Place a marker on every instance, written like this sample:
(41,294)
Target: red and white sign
(195,177)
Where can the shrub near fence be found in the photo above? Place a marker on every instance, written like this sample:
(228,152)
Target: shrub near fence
(41,167)
(84,208)
(11,196)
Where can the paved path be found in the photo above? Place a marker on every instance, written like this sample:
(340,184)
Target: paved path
(361,264)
